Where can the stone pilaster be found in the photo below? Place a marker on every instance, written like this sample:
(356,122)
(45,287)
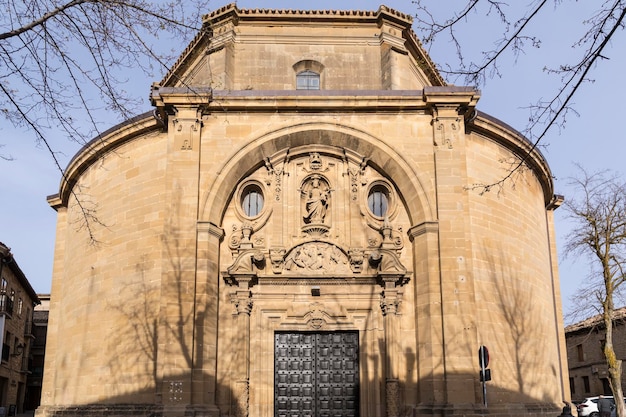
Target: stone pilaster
(241,298)
(176,343)
(51,391)
(389,305)
(206,318)
(458,309)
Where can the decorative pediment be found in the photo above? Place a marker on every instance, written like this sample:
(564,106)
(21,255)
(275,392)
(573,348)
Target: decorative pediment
(244,269)
(390,269)
(387,261)
(317,316)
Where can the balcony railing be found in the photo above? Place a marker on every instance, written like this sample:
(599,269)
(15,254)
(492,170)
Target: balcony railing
(6,304)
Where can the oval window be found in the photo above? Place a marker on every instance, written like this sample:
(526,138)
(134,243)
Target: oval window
(378,201)
(252,200)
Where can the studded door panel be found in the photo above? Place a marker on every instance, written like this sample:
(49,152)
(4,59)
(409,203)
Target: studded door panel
(316,374)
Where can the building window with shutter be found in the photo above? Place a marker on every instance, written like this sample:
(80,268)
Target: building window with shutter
(580,353)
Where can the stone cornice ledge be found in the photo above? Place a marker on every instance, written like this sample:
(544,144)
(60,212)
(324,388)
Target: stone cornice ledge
(318,100)
(324,101)
(423,228)
(451,95)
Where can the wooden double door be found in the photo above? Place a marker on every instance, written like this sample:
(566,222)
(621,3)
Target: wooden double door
(316,374)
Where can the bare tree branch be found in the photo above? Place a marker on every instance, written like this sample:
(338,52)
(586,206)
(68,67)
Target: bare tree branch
(544,115)
(599,217)
(65,67)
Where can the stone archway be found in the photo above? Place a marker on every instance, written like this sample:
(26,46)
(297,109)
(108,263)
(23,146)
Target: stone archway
(353,143)
(314,247)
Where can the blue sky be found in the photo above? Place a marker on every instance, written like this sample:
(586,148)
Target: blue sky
(594,138)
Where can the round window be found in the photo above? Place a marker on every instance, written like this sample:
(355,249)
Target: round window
(378,201)
(252,200)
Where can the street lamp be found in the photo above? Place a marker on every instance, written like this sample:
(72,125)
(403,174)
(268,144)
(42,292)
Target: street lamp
(19,349)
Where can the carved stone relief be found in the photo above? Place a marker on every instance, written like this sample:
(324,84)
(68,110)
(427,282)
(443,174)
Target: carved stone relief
(316,163)
(277,255)
(242,398)
(275,177)
(387,262)
(186,132)
(246,262)
(317,258)
(392,395)
(445,129)
(316,316)
(357,257)
(323,223)
(357,175)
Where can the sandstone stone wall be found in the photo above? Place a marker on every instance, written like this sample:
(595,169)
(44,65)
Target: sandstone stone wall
(171,294)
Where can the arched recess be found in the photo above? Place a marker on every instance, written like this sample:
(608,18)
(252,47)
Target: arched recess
(413,188)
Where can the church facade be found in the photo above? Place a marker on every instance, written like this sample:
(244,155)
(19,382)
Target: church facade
(301,228)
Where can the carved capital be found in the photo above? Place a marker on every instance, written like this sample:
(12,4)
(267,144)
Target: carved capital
(242,301)
(390,301)
(423,228)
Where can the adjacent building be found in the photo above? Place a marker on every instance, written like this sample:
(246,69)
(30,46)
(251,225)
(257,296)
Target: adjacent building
(300,227)
(37,353)
(17,301)
(588,371)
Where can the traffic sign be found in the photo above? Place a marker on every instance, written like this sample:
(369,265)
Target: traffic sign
(483,357)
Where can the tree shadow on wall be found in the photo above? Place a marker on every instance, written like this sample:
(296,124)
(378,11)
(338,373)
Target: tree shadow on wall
(148,334)
(501,402)
(136,340)
(131,382)
(142,328)
(529,337)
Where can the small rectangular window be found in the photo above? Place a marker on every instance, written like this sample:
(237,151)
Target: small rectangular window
(308,80)
(572,386)
(580,353)
(586,384)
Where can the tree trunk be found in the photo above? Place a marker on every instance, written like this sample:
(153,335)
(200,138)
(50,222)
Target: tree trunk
(614,364)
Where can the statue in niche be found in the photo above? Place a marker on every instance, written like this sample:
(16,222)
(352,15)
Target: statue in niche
(317,195)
